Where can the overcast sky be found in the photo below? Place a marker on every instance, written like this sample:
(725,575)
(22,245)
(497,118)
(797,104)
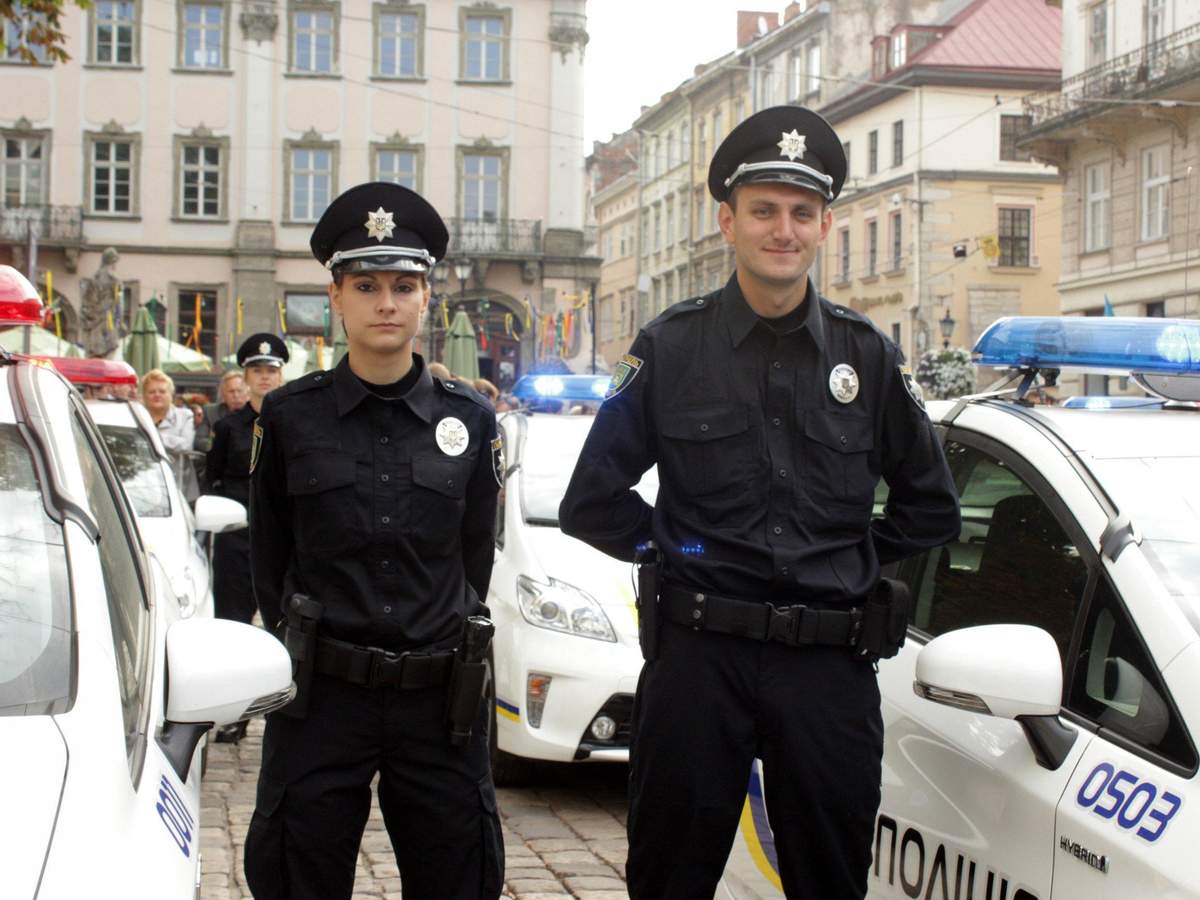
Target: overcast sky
(640,49)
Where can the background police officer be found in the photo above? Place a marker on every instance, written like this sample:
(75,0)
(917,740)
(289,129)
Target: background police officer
(227,474)
(374,497)
(771,414)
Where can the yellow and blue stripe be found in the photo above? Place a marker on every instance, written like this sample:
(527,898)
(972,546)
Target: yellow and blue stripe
(506,709)
(756,831)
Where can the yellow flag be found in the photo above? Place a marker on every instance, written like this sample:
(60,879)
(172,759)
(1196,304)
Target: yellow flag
(240,307)
(989,246)
(445,317)
(320,351)
(508,323)
(198,326)
(58,324)
(49,288)
(282,318)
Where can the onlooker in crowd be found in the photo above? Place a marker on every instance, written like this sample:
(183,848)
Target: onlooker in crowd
(437,370)
(231,396)
(175,426)
(488,389)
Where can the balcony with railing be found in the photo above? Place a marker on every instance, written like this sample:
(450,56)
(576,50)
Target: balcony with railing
(497,238)
(1164,70)
(60,226)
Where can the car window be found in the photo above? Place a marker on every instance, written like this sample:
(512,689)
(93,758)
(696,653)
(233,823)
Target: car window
(1118,687)
(35,607)
(127,605)
(1012,562)
(139,469)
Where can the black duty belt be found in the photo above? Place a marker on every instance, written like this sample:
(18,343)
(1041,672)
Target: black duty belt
(796,624)
(375,667)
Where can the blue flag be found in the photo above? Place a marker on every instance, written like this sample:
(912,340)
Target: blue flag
(1108,310)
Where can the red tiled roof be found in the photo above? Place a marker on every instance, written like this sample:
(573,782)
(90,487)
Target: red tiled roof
(1002,34)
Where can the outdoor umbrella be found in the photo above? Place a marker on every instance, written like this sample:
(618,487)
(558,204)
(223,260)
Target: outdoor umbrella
(172,357)
(461,357)
(41,342)
(141,347)
(340,346)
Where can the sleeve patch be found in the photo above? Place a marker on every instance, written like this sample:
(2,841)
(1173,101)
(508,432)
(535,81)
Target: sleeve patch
(627,370)
(255,445)
(498,459)
(913,388)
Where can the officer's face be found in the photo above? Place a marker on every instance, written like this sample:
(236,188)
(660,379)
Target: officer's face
(775,230)
(261,380)
(381,310)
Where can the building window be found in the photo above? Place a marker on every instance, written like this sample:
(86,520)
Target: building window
(684,223)
(872,152)
(657,227)
(114,32)
(1097,200)
(17,47)
(897,143)
(702,142)
(796,75)
(899,49)
(203,38)
(766,88)
(844,254)
(812,69)
(485,46)
(311,179)
(718,127)
(670,221)
(112,175)
(645,235)
(399,45)
(896,223)
(399,165)
(314,39)
(1156,310)
(201,167)
(1012,129)
(1156,18)
(1156,178)
(846,150)
(739,111)
(1015,227)
(872,247)
(684,144)
(483,186)
(23,178)
(671,161)
(896,333)
(186,300)
(1097,40)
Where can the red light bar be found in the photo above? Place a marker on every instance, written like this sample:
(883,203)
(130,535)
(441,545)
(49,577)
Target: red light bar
(21,312)
(90,371)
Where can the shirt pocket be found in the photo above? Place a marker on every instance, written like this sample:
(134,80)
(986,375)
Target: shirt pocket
(438,497)
(837,457)
(710,449)
(322,489)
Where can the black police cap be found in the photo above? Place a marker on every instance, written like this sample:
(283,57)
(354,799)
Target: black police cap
(262,349)
(783,145)
(379,225)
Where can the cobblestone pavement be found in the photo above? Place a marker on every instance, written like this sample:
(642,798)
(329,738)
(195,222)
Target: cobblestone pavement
(564,836)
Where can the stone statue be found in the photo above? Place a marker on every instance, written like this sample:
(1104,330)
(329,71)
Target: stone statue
(101,313)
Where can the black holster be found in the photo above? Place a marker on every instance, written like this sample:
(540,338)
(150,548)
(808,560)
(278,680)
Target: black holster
(884,620)
(468,678)
(649,576)
(300,638)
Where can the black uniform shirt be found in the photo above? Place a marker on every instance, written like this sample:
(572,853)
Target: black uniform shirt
(357,502)
(767,481)
(227,466)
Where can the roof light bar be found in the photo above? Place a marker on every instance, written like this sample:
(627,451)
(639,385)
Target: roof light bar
(562,387)
(90,371)
(1152,346)
(1117,402)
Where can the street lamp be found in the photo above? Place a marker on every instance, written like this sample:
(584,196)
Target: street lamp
(946,323)
(462,271)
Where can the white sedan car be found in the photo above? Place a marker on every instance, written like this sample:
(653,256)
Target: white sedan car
(1058,639)
(104,693)
(565,655)
(168,525)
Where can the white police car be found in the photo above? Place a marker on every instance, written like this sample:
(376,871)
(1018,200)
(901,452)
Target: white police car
(565,654)
(102,698)
(1058,639)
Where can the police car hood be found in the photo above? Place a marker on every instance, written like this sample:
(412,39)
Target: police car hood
(31,783)
(608,580)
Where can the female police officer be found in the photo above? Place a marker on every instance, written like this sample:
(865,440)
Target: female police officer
(372,507)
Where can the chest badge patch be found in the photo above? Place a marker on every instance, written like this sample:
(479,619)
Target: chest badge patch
(627,370)
(843,383)
(912,386)
(255,445)
(452,437)
(498,459)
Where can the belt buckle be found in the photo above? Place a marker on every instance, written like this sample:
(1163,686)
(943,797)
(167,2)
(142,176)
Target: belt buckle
(783,622)
(381,662)
(856,625)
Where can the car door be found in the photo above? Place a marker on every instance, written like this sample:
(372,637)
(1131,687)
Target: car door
(966,810)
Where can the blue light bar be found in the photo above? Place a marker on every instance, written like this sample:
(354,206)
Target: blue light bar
(1111,403)
(1156,346)
(562,387)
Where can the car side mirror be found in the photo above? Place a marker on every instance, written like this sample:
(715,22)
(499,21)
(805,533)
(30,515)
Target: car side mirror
(219,514)
(1009,671)
(219,672)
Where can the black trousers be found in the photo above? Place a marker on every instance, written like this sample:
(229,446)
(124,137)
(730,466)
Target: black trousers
(314,797)
(705,709)
(233,594)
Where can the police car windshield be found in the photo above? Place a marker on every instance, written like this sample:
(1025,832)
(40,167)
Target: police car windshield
(35,607)
(551,448)
(139,469)
(1162,497)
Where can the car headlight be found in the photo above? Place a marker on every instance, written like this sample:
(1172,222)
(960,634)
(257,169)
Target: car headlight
(562,607)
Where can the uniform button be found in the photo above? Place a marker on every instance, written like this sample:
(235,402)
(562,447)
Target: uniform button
(783,473)
(385,519)
(312,481)
(842,439)
(449,384)
(777,530)
(700,301)
(704,427)
(783,571)
(776,421)
(777,364)
(383,478)
(387,609)
(383,440)
(385,563)
(319,378)
(450,483)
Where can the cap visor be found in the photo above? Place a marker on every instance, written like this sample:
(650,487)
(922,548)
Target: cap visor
(792,178)
(382,263)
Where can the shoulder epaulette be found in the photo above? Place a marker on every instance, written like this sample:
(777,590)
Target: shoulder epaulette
(309,382)
(454,388)
(845,312)
(691,305)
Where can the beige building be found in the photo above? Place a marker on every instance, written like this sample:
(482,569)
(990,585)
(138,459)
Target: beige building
(944,218)
(617,216)
(1123,130)
(203,139)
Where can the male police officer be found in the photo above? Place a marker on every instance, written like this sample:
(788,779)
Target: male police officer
(372,506)
(771,414)
(227,474)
